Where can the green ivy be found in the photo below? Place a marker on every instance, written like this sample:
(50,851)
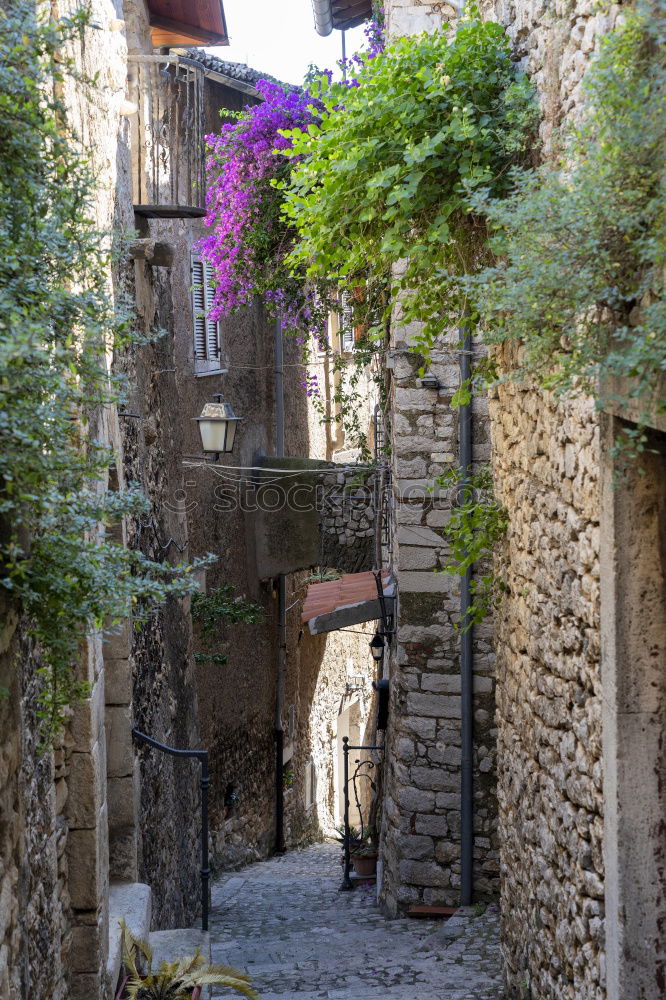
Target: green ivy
(581,242)
(212,611)
(383,187)
(58,323)
(477,523)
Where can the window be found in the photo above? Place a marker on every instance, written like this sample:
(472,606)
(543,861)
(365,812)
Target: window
(352,327)
(310,784)
(346,324)
(207,350)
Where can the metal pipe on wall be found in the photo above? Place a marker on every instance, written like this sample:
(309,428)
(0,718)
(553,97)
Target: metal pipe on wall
(282,608)
(323,17)
(466,651)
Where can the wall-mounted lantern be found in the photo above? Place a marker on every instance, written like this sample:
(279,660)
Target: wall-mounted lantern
(429,381)
(217,426)
(377,647)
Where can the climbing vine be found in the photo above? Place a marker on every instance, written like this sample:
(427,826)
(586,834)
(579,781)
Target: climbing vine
(211,612)
(477,523)
(57,324)
(381,187)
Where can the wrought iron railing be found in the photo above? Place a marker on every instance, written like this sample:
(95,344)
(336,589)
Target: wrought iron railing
(202,757)
(167,135)
(363,769)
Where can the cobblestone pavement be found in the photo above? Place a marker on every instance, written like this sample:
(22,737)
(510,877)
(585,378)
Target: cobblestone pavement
(284,922)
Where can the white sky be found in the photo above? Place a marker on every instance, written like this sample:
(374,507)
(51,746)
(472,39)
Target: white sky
(279,37)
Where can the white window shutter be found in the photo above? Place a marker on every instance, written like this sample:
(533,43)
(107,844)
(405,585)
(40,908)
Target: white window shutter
(212,326)
(199,311)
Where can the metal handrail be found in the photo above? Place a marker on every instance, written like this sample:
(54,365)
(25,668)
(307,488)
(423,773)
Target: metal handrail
(202,757)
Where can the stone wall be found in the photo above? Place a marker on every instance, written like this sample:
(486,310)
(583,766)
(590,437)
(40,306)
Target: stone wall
(159,653)
(35,928)
(54,839)
(421,834)
(422,817)
(347,521)
(546,463)
(550,781)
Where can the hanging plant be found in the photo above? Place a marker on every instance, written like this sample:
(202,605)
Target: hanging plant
(381,187)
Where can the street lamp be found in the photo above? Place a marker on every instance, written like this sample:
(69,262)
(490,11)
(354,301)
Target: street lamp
(377,647)
(217,426)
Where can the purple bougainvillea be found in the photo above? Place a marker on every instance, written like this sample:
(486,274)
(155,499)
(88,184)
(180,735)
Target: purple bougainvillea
(247,239)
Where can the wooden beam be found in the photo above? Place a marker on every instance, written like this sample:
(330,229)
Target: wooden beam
(154,253)
(348,14)
(166,31)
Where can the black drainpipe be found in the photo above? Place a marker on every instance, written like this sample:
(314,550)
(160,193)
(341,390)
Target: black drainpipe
(466,651)
(282,609)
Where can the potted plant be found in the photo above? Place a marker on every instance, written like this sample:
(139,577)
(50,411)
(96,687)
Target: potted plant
(364,854)
(364,859)
(183,979)
(355,840)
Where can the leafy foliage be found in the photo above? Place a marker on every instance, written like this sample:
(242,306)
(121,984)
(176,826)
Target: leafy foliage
(212,611)
(581,243)
(57,324)
(383,183)
(477,523)
(174,980)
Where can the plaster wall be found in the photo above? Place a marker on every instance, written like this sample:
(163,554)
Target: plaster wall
(633,670)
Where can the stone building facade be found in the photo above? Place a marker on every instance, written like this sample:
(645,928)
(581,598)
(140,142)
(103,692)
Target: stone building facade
(105,822)
(577,731)
(106,812)
(422,810)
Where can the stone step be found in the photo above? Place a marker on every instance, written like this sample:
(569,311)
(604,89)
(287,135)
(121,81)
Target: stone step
(182,942)
(130,901)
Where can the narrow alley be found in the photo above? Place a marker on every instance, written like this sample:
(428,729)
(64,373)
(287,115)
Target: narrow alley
(284,922)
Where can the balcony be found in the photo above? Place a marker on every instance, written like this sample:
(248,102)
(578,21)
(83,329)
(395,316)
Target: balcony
(168,178)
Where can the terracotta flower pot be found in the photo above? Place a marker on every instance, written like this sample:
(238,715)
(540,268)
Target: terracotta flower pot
(365,865)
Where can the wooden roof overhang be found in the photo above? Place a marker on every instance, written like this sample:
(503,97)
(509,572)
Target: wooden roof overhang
(340,14)
(187,22)
(350,13)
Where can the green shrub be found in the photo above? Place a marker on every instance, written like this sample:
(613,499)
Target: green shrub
(58,323)
(581,243)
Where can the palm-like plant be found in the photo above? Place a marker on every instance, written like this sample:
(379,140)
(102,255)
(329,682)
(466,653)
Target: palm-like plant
(174,980)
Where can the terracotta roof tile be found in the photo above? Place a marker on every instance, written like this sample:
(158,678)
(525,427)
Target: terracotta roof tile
(354,588)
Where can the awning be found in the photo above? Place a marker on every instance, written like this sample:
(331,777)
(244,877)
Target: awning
(340,14)
(187,22)
(348,601)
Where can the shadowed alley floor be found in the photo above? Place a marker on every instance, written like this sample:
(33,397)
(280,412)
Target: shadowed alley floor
(284,922)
